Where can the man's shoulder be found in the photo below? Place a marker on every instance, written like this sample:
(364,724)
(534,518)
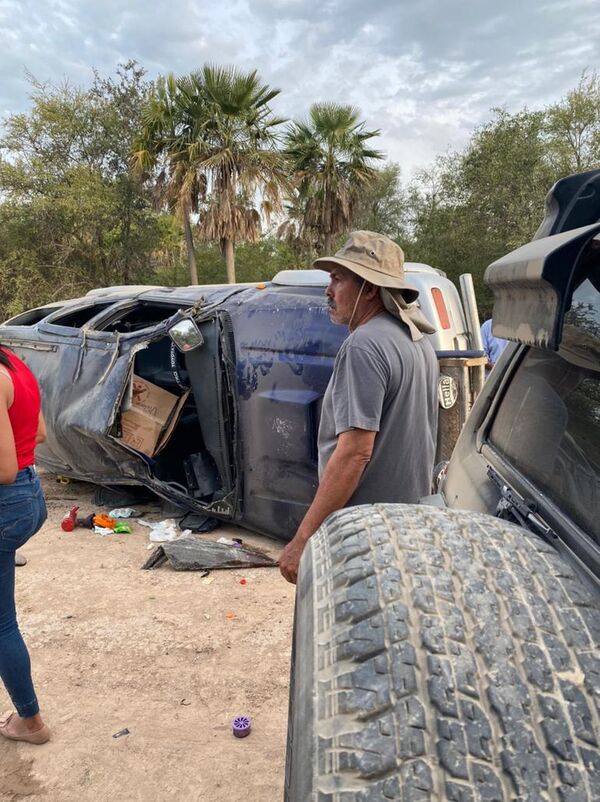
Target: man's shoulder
(384,333)
(373,330)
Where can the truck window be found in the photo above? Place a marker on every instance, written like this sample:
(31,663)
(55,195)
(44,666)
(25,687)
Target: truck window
(77,316)
(548,424)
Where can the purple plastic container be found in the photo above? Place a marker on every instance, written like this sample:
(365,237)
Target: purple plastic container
(241,726)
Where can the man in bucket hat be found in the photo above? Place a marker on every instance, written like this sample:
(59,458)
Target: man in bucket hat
(378,426)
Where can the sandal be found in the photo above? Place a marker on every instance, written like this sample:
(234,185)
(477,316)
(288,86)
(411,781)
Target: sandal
(37,737)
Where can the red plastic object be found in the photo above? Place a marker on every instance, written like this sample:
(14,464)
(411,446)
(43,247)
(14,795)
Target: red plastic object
(242,581)
(69,522)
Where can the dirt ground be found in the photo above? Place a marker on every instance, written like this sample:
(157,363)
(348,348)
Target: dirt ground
(154,652)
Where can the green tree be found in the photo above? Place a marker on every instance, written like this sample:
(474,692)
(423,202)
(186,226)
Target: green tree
(473,207)
(255,262)
(166,152)
(332,162)
(573,127)
(383,205)
(121,102)
(72,216)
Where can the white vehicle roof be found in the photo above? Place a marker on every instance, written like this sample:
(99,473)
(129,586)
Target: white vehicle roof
(319,278)
(436,295)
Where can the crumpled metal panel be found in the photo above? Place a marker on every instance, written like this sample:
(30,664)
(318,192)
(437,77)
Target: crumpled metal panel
(82,379)
(195,553)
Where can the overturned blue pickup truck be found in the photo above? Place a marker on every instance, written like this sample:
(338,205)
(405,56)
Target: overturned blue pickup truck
(209,396)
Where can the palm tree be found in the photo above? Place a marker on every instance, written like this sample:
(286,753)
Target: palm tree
(331,162)
(214,136)
(244,169)
(170,140)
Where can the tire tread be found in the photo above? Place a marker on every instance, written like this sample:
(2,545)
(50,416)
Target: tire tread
(457,658)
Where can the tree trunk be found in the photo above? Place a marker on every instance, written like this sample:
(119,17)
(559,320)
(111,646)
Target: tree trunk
(229,260)
(327,244)
(189,245)
(126,233)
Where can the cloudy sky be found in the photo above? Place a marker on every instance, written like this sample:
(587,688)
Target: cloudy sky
(425,72)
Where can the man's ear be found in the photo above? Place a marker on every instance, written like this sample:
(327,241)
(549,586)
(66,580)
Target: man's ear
(371,290)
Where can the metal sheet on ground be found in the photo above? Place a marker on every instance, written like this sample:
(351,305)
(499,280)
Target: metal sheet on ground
(196,554)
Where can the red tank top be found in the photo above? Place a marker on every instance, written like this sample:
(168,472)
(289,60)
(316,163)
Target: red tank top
(24,412)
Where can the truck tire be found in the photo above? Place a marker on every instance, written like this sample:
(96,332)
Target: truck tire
(441,656)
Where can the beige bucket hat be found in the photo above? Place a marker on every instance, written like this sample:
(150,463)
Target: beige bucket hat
(378,259)
(375,258)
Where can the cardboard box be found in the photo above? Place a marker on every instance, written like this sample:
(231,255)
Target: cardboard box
(149,415)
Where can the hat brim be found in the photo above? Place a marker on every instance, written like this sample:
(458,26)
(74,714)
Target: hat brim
(375,277)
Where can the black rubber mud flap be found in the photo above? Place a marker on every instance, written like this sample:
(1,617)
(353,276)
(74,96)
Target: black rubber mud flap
(441,656)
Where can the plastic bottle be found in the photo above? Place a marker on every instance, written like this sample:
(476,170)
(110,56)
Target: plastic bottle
(69,522)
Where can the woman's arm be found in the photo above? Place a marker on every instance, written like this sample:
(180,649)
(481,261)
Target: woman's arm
(40,435)
(8,452)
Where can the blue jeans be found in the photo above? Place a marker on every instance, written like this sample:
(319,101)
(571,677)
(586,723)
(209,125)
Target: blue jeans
(22,512)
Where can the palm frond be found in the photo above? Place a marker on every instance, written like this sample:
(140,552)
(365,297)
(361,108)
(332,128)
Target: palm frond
(330,163)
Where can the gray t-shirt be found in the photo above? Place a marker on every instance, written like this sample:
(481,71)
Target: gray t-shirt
(384,382)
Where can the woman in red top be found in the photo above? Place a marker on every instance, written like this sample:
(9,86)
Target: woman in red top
(22,512)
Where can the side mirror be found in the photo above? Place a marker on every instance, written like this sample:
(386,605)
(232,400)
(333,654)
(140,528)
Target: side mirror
(186,335)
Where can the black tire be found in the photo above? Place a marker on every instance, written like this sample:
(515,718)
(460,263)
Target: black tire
(441,655)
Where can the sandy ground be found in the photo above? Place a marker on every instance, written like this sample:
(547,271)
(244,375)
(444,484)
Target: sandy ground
(114,647)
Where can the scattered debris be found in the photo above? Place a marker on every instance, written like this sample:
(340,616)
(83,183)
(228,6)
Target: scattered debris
(229,616)
(241,726)
(164,531)
(121,528)
(243,582)
(104,521)
(103,530)
(121,733)
(192,553)
(185,702)
(208,580)
(124,512)
(69,522)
